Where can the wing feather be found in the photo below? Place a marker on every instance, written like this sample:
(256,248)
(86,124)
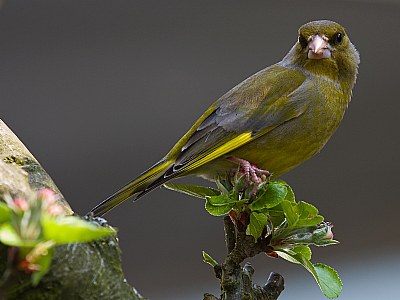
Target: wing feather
(250,110)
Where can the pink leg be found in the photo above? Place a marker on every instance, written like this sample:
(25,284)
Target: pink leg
(250,171)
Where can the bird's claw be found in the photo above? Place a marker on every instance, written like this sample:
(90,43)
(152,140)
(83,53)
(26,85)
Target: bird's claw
(251,172)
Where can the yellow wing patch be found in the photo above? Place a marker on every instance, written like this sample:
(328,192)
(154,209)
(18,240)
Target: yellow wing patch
(219,151)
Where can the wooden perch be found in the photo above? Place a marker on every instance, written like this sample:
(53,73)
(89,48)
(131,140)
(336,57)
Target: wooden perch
(78,271)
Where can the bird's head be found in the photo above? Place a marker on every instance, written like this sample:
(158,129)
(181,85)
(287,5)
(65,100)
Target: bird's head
(323,48)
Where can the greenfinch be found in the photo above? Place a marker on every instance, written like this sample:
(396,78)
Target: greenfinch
(269,123)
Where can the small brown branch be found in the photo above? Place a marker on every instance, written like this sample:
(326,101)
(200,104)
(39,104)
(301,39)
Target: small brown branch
(236,281)
(246,247)
(209,297)
(272,289)
(230,238)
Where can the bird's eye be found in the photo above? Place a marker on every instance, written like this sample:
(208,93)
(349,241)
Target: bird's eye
(302,41)
(337,38)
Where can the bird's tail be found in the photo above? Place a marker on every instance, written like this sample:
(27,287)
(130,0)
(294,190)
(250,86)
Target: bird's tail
(146,182)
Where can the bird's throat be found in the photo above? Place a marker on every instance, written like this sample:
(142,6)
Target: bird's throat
(323,67)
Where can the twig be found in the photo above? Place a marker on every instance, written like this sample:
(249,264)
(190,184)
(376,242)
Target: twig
(236,281)
(230,239)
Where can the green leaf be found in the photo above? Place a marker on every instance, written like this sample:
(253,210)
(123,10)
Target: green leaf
(222,200)
(8,236)
(221,204)
(44,262)
(72,229)
(289,209)
(5,213)
(209,260)
(301,214)
(288,254)
(221,187)
(256,226)
(192,190)
(326,277)
(306,210)
(276,217)
(303,250)
(308,214)
(290,194)
(313,221)
(218,210)
(329,280)
(274,194)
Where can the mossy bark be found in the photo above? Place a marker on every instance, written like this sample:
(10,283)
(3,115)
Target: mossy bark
(236,282)
(78,271)
(14,153)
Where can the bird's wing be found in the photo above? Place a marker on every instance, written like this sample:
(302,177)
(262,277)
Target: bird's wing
(264,101)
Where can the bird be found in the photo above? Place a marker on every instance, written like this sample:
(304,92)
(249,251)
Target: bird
(268,124)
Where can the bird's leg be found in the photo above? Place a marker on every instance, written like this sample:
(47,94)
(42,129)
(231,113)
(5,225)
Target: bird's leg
(261,171)
(252,172)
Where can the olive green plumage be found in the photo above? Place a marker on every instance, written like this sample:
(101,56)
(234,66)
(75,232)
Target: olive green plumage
(275,119)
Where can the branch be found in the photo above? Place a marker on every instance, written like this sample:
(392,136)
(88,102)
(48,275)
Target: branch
(230,238)
(78,270)
(236,281)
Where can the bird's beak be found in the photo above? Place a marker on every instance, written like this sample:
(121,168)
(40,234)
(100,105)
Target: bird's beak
(318,48)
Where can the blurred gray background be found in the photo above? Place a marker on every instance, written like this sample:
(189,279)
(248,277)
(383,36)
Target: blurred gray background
(100,90)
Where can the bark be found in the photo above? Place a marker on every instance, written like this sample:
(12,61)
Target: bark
(236,281)
(79,270)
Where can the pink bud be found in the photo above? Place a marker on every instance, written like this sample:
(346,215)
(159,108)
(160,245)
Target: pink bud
(329,232)
(55,210)
(27,266)
(47,195)
(20,204)
(33,267)
(329,235)
(23,264)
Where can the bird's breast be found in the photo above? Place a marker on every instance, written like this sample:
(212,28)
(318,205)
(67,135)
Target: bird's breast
(298,139)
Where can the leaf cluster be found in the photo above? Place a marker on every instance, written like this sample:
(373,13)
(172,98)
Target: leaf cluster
(34,226)
(269,211)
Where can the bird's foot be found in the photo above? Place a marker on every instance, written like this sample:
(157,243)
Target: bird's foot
(251,172)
